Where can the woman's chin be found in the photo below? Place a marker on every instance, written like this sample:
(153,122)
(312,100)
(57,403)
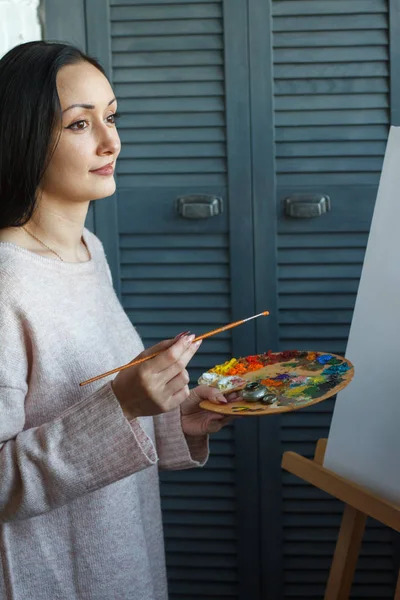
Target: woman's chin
(107,188)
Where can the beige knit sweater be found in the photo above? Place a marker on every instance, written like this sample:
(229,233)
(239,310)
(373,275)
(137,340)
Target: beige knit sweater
(79,498)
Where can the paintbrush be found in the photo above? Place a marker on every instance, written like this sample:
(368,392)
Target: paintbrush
(200,337)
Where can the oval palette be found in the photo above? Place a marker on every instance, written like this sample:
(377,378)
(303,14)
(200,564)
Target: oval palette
(292,380)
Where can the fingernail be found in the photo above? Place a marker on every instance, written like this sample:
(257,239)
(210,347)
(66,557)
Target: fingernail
(189,338)
(222,399)
(178,337)
(197,344)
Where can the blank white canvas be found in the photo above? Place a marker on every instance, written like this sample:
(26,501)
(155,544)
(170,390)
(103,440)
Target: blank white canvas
(364,439)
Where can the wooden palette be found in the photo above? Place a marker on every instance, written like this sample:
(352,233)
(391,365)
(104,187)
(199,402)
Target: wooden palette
(296,379)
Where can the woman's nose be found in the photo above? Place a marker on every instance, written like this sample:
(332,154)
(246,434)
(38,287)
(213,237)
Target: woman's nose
(109,142)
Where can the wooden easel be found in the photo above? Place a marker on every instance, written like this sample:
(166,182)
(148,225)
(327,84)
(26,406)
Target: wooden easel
(359,504)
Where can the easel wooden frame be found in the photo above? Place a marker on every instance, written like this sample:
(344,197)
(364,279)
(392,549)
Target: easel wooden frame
(360,503)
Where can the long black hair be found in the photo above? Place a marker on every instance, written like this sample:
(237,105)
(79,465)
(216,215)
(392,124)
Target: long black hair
(30,115)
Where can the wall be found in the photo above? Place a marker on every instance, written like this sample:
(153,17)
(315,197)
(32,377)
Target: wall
(19,22)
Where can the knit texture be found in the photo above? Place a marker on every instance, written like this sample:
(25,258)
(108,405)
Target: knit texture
(80,513)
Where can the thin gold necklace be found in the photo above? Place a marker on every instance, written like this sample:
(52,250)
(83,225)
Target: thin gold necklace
(43,244)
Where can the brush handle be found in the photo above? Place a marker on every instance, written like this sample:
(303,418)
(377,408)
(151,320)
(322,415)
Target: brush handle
(197,339)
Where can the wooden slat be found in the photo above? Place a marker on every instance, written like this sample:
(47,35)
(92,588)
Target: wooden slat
(214,561)
(331,22)
(177,286)
(330,39)
(202,590)
(322,317)
(335,148)
(161,135)
(203,318)
(199,505)
(179,27)
(172,11)
(178,302)
(326,240)
(327,70)
(326,345)
(156,74)
(186,241)
(171,105)
(326,102)
(170,120)
(329,7)
(332,117)
(137,59)
(196,518)
(323,286)
(366,564)
(331,86)
(166,272)
(305,332)
(171,180)
(328,165)
(317,301)
(307,180)
(175,89)
(151,331)
(330,55)
(166,165)
(166,43)
(169,151)
(332,132)
(306,256)
(151,2)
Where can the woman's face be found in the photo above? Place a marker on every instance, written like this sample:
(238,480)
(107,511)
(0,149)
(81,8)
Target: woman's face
(82,166)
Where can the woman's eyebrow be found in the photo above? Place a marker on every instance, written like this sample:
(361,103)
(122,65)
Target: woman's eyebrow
(90,106)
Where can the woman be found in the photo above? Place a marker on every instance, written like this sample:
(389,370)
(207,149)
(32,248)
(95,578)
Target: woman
(79,498)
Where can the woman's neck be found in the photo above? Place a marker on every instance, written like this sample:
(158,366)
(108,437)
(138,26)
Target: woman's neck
(61,231)
(53,232)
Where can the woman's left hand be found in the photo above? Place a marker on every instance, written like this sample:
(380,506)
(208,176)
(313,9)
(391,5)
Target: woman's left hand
(196,420)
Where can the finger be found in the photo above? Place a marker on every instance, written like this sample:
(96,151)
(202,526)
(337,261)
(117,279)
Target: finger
(227,420)
(232,397)
(214,425)
(178,383)
(174,353)
(181,363)
(205,392)
(179,397)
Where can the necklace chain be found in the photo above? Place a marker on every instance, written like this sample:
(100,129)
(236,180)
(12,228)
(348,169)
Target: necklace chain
(43,244)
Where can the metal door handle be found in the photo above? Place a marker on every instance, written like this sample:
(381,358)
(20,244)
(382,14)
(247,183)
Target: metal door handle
(307,206)
(199,206)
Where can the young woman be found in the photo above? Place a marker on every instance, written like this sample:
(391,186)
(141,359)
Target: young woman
(79,499)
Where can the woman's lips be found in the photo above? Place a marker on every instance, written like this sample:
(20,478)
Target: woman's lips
(106,170)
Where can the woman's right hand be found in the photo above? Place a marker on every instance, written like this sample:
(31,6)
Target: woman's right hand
(159,384)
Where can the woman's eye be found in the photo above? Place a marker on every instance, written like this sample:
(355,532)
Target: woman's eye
(113,118)
(78,126)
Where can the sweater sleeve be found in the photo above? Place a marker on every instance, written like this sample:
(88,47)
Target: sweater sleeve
(174,449)
(88,446)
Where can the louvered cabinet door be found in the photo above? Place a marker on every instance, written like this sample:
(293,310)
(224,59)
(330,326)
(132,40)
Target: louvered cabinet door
(168,71)
(331,94)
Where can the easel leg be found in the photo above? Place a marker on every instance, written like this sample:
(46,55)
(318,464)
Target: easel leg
(346,554)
